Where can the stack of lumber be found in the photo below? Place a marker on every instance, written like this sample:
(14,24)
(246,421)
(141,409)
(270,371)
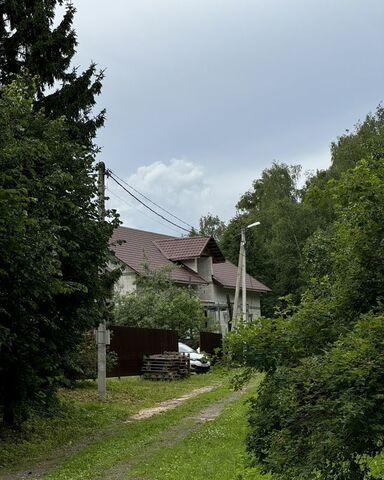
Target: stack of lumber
(166,366)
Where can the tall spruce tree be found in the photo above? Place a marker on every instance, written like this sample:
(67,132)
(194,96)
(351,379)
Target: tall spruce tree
(32,42)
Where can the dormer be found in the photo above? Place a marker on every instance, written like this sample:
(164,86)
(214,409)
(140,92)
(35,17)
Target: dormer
(196,253)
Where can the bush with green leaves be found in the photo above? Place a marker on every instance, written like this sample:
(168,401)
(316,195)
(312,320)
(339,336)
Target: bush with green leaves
(52,246)
(319,413)
(84,360)
(158,303)
(320,417)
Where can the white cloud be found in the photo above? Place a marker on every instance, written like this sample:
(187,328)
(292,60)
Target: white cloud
(182,187)
(176,181)
(179,186)
(189,190)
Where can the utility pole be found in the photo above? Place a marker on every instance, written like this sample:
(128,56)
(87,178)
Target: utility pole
(244,286)
(240,266)
(102,329)
(241,276)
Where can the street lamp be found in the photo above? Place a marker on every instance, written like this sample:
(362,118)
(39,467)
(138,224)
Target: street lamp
(241,274)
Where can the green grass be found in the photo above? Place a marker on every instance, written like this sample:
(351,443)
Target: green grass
(82,413)
(214,452)
(138,449)
(129,441)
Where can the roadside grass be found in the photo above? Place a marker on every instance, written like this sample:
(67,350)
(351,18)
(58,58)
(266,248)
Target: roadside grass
(129,442)
(213,452)
(81,413)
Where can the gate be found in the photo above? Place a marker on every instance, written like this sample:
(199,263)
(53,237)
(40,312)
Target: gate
(131,344)
(209,342)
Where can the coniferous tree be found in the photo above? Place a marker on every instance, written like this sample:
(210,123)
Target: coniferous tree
(32,42)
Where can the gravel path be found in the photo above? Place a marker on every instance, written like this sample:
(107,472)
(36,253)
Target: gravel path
(168,404)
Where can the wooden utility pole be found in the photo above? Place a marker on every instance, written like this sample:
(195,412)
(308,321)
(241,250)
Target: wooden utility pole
(102,329)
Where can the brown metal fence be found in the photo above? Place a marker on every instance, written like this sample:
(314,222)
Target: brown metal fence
(131,343)
(210,342)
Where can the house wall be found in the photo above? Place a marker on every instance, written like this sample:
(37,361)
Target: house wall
(253,306)
(191,263)
(204,268)
(206,293)
(253,299)
(216,295)
(214,299)
(127,282)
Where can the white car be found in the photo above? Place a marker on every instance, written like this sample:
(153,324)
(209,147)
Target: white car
(198,361)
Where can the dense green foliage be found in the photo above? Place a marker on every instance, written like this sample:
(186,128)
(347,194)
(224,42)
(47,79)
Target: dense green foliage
(35,41)
(52,247)
(210,226)
(320,412)
(274,248)
(158,303)
(322,415)
(83,364)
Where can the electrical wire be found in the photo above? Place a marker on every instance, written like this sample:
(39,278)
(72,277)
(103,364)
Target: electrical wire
(149,200)
(140,211)
(111,175)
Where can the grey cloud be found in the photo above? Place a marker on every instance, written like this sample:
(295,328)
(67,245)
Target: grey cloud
(231,84)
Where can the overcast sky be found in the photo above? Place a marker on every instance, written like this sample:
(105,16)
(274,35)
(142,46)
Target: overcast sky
(202,95)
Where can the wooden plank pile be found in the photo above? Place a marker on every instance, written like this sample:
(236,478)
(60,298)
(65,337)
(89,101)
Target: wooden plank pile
(166,366)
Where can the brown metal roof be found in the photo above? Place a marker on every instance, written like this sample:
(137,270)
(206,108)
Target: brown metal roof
(138,245)
(190,247)
(225,275)
(160,250)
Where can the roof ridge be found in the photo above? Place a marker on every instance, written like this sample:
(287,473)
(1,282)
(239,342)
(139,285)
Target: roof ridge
(167,237)
(184,238)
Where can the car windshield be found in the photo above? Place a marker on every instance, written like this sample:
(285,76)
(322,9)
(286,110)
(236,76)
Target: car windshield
(185,349)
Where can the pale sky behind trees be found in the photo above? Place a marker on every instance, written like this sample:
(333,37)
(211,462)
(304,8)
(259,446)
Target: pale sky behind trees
(202,95)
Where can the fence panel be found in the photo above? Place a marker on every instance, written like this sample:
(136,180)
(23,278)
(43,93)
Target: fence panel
(210,341)
(130,344)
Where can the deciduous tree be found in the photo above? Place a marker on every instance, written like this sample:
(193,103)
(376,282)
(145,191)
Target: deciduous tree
(323,360)
(274,248)
(210,226)
(52,247)
(158,303)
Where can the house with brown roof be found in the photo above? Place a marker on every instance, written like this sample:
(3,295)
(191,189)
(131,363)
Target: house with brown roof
(194,262)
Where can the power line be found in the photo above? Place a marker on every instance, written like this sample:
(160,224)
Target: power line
(140,211)
(145,205)
(149,200)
